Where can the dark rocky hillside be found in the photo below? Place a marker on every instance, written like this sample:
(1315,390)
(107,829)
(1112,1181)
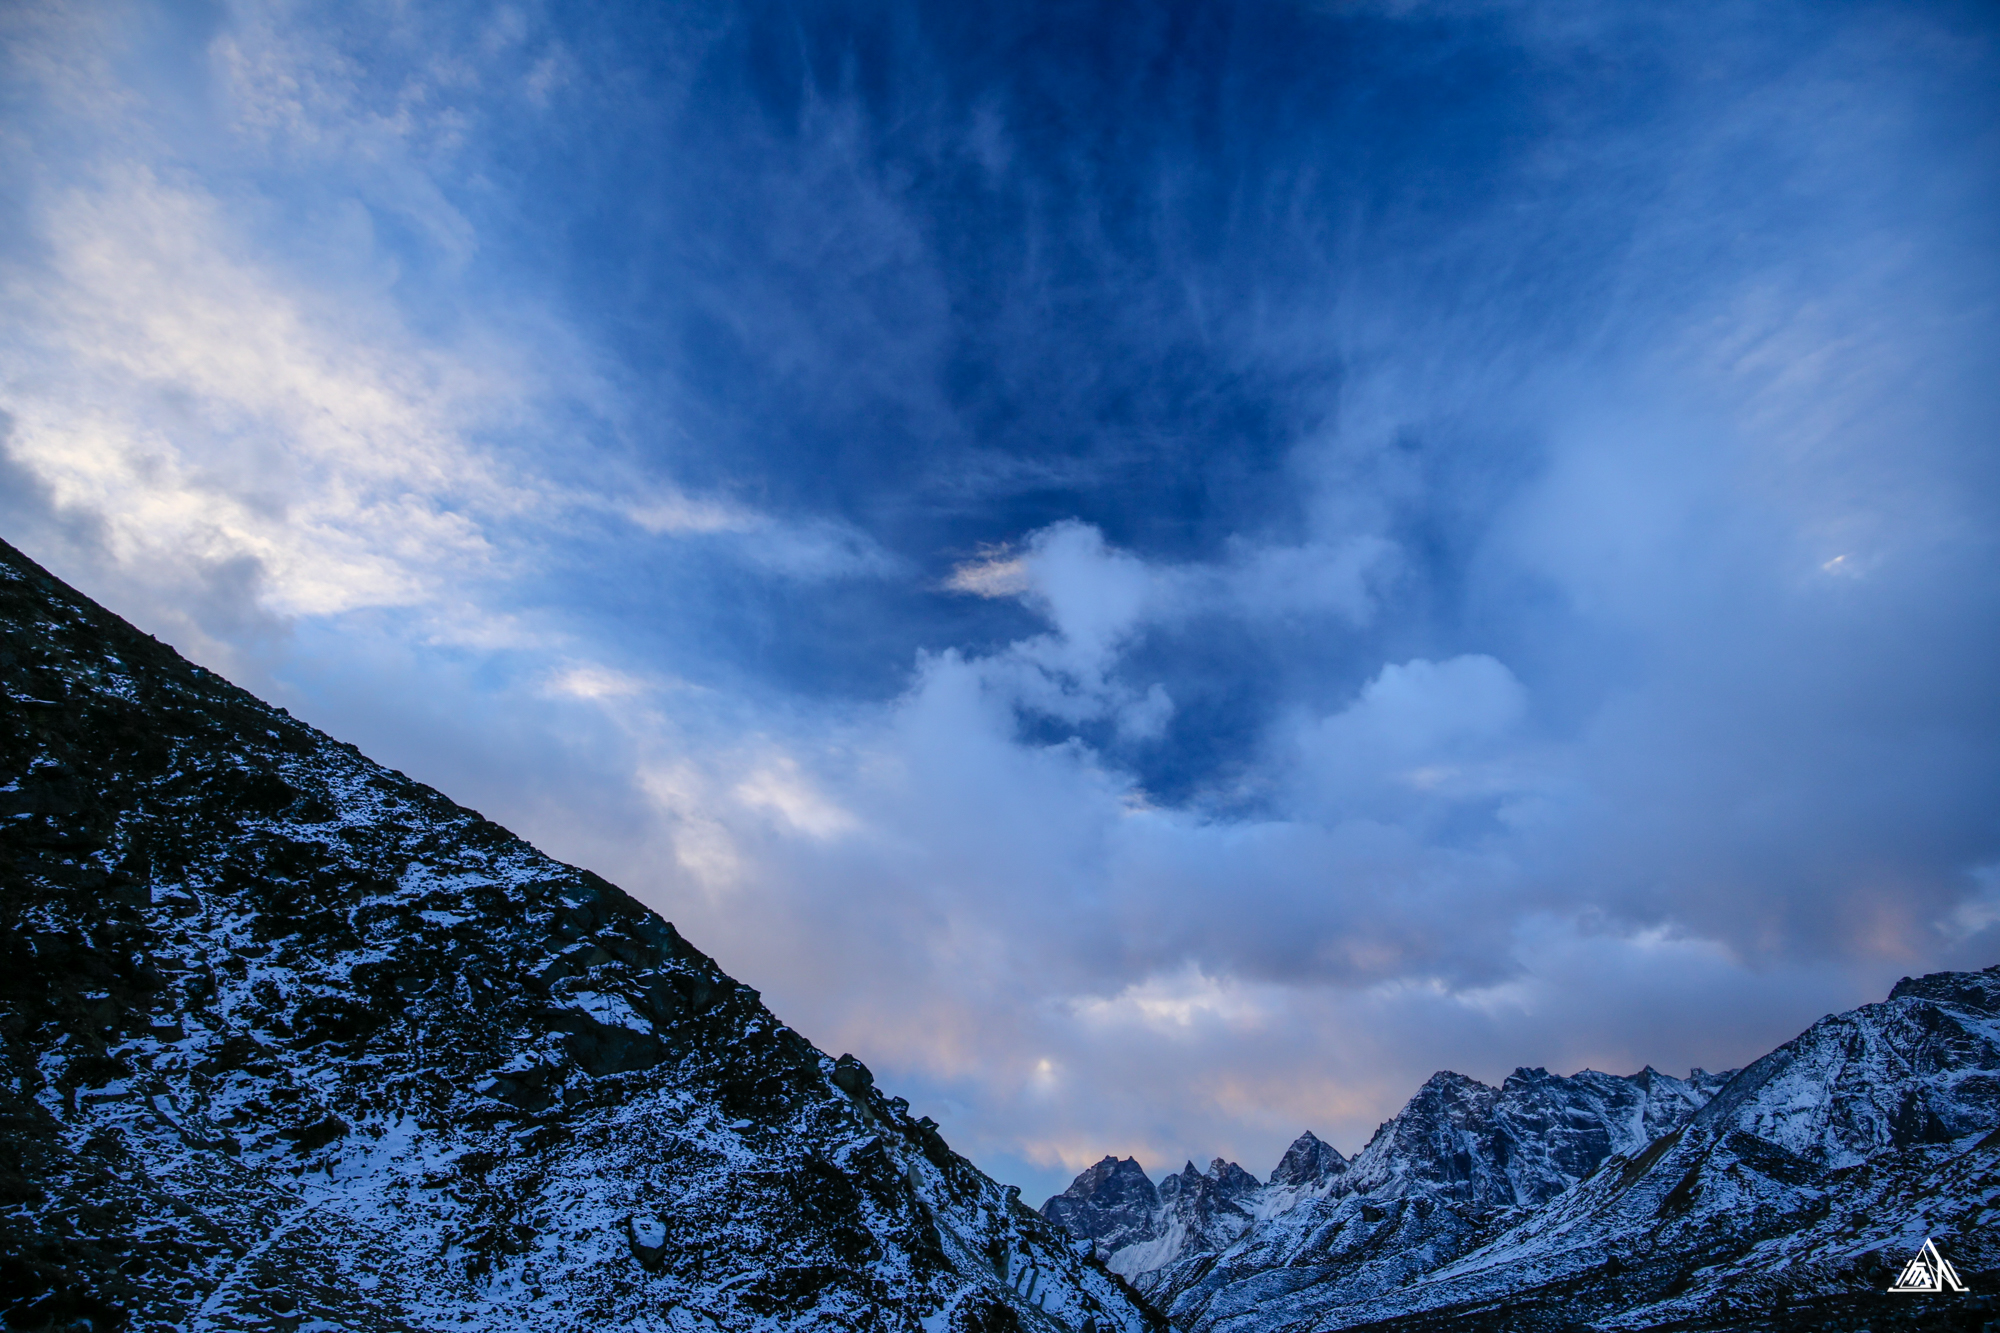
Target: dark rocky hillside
(291,1042)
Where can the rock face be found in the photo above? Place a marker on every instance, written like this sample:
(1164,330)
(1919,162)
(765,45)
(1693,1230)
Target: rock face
(1114,1204)
(1457,1164)
(1785,1196)
(292,1042)
(1307,1164)
(1458,1160)
(1522,1143)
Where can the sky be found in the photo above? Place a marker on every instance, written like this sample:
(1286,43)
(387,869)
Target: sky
(1157,571)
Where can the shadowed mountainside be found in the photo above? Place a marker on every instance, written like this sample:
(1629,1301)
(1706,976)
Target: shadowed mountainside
(293,1042)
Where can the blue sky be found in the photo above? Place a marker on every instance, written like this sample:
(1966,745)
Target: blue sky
(1157,571)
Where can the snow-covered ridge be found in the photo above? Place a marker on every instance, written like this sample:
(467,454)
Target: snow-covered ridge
(292,1042)
(1458,1142)
(1794,1184)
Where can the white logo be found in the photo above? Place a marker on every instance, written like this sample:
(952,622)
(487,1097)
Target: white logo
(1929,1271)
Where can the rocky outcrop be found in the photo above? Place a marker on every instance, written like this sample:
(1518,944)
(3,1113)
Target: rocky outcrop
(290,1041)
(1522,1143)
(1454,1167)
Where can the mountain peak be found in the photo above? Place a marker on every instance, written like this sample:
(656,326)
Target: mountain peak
(1306,1163)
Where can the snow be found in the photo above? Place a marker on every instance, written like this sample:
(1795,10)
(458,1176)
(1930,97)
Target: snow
(613,1011)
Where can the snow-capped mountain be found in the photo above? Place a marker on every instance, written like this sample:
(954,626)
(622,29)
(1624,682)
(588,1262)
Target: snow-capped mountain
(292,1042)
(1136,1226)
(1807,1181)
(1458,1159)
(1786,1194)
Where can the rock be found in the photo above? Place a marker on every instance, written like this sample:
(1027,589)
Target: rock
(1113,1205)
(1307,1163)
(852,1077)
(648,1235)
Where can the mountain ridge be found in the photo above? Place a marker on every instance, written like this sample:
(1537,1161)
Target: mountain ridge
(1646,1201)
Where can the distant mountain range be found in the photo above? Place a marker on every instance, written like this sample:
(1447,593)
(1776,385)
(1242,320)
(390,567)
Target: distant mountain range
(293,1043)
(1787,1195)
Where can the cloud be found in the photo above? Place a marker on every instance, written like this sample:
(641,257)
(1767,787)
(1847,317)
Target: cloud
(998,572)
(778,787)
(678,514)
(1420,729)
(177,363)
(1176,1005)
(586,681)
(1482,530)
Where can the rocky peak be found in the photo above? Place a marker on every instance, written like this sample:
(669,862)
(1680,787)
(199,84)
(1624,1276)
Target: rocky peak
(1442,1140)
(1114,1181)
(1667,1102)
(1521,1143)
(1231,1180)
(1459,1151)
(1922,1067)
(1142,1226)
(1113,1204)
(1308,1162)
(1199,1196)
(1977,991)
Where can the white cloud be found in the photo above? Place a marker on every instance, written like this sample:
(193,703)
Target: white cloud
(1097,600)
(589,681)
(208,407)
(996,573)
(1177,1003)
(779,787)
(677,515)
(1419,730)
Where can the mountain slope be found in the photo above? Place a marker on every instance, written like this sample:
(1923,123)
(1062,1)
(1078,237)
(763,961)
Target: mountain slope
(293,1042)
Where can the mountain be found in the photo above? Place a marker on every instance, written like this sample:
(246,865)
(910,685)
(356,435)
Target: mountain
(1114,1205)
(1135,1227)
(1456,1162)
(292,1042)
(1784,1196)
(1307,1165)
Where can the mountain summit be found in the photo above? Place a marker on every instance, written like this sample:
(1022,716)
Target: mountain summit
(292,1042)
